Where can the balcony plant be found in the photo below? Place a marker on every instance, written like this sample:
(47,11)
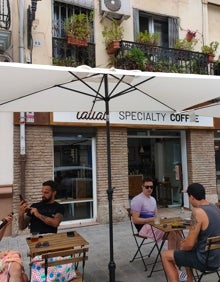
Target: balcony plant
(210,50)
(147,37)
(112,35)
(64,61)
(78,29)
(132,59)
(183,44)
(190,35)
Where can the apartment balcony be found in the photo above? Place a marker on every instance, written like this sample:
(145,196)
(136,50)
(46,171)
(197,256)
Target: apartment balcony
(132,55)
(65,54)
(155,58)
(5,22)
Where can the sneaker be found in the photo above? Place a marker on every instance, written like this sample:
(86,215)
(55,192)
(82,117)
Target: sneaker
(182,276)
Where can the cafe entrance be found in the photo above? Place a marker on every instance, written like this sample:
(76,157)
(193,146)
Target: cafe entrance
(156,153)
(74,176)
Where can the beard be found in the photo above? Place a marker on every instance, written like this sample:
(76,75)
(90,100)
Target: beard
(45,200)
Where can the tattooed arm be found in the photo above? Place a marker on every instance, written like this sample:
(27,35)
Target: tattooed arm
(199,221)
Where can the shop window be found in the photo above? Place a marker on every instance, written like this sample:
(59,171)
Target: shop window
(73,176)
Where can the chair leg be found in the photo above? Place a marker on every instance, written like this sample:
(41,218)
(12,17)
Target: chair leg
(139,251)
(152,250)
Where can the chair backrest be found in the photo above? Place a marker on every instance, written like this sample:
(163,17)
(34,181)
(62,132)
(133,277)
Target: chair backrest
(67,256)
(74,256)
(213,243)
(133,228)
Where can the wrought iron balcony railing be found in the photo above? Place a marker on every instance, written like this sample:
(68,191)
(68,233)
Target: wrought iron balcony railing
(5,15)
(154,58)
(160,59)
(68,55)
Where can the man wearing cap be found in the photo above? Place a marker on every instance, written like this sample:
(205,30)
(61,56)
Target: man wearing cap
(205,222)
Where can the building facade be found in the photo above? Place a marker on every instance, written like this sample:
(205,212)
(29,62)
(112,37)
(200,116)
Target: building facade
(71,147)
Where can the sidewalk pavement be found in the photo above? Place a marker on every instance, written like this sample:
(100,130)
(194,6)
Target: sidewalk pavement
(96,268)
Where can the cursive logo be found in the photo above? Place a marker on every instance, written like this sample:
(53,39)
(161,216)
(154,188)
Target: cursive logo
(91,115)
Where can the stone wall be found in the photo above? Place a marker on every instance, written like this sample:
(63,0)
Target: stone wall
(119,164)
(201,161)
(38,164)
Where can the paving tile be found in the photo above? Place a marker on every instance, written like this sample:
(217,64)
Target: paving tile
(96,269)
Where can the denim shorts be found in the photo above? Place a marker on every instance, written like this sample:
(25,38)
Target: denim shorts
(187,259)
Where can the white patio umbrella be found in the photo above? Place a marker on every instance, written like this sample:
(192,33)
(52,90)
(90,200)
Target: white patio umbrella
(40,88)
(210,108)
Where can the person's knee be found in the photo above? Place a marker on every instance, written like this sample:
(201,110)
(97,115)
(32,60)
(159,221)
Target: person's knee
(167,255)
(164,254)
(15,269)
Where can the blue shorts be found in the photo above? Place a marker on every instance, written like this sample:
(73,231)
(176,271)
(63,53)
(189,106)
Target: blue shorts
(187,259)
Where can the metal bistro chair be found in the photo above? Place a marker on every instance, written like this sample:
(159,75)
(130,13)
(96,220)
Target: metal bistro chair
(213,243)
(140,242)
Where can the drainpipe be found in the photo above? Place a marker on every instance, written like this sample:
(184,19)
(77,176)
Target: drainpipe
(22,114)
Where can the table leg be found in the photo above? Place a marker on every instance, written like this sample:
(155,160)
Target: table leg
(159,249)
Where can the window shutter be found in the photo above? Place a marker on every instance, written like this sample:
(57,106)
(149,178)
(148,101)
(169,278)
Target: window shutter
(173,27)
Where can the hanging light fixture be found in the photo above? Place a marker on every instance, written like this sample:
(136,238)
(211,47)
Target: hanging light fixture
(141,151)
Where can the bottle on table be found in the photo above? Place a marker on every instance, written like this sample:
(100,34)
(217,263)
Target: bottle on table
(182,213)
(4,221)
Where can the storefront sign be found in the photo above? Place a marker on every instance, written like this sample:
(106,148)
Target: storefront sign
(134,118)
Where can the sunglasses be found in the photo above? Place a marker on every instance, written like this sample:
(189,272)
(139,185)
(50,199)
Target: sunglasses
(149,187)
(42,245)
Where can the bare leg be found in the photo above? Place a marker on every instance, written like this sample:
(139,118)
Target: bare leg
(174,239)
(16,273)
(169,266)
(189,274)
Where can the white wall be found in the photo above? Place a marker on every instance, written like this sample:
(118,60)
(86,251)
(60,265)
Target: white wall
(6,148)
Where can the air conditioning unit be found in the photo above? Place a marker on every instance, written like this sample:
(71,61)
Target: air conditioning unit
(116,9)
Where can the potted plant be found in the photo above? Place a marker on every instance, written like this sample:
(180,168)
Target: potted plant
(190,35)
(132,59)
(64,61)
(112,35)
(78,29)
(147,37)
(183,44)
(210,50)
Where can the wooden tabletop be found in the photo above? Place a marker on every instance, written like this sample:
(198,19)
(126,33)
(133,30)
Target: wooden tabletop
(57,242)
(170,224)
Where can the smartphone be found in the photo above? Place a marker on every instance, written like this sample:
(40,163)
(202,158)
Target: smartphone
(70,234)
(21,198)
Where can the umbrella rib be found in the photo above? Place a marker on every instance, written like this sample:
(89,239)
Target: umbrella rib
(77,91)
(132,87)
(89,86)
(27,95)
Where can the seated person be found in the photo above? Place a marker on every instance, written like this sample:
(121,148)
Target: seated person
(204,223)
(45,217)
(11,269)
(144,208)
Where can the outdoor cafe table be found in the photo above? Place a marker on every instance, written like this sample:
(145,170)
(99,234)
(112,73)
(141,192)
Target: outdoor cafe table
(56,242)
(166,225)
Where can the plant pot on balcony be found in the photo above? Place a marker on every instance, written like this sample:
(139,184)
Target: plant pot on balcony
(211,58)
(76,41)
(113,47)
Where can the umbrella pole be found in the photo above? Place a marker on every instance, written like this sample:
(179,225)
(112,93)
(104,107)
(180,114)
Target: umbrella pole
(111,265)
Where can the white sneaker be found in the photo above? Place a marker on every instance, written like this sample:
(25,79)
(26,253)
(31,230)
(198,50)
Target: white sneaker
(182,276)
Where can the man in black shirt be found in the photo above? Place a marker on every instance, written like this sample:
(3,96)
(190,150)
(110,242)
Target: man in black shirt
(44,216)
